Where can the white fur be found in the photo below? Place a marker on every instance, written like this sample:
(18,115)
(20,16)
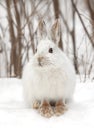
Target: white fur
(54,80)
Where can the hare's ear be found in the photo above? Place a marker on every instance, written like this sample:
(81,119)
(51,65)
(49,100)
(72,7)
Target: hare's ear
(55,31)
(41,30)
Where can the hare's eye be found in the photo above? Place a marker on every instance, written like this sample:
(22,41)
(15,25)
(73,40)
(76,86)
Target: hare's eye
(50,50)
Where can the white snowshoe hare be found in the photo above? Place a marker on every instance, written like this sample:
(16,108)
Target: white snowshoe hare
(49,77)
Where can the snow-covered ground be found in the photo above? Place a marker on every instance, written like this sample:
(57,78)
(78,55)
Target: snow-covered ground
(14,115)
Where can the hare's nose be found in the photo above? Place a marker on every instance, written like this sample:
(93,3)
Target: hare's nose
(40,59)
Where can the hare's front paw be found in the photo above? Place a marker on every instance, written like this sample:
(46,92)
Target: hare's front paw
(60,108)
(46,109)
(36,104)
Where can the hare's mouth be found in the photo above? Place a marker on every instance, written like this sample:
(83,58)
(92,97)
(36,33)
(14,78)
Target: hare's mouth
(43,63)
(40,64)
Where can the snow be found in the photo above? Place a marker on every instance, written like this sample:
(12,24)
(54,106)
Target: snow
(14,115)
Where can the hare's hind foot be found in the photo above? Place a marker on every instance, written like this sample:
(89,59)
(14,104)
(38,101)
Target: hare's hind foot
(60,108)
(45,109)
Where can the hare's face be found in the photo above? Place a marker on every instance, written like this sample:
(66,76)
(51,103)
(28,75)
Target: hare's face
(46,53)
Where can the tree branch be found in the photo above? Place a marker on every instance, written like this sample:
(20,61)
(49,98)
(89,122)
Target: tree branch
(74,6)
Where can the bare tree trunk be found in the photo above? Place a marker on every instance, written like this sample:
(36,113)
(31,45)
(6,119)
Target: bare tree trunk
(19,42)
(13,56)
(57,13)
(74,42)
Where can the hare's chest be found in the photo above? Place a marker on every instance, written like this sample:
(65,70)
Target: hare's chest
(48,86)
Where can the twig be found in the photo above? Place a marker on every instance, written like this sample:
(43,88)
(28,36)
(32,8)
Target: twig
(82,23)
(65,22)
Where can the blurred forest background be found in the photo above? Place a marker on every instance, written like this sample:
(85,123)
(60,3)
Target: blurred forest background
(18,32)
